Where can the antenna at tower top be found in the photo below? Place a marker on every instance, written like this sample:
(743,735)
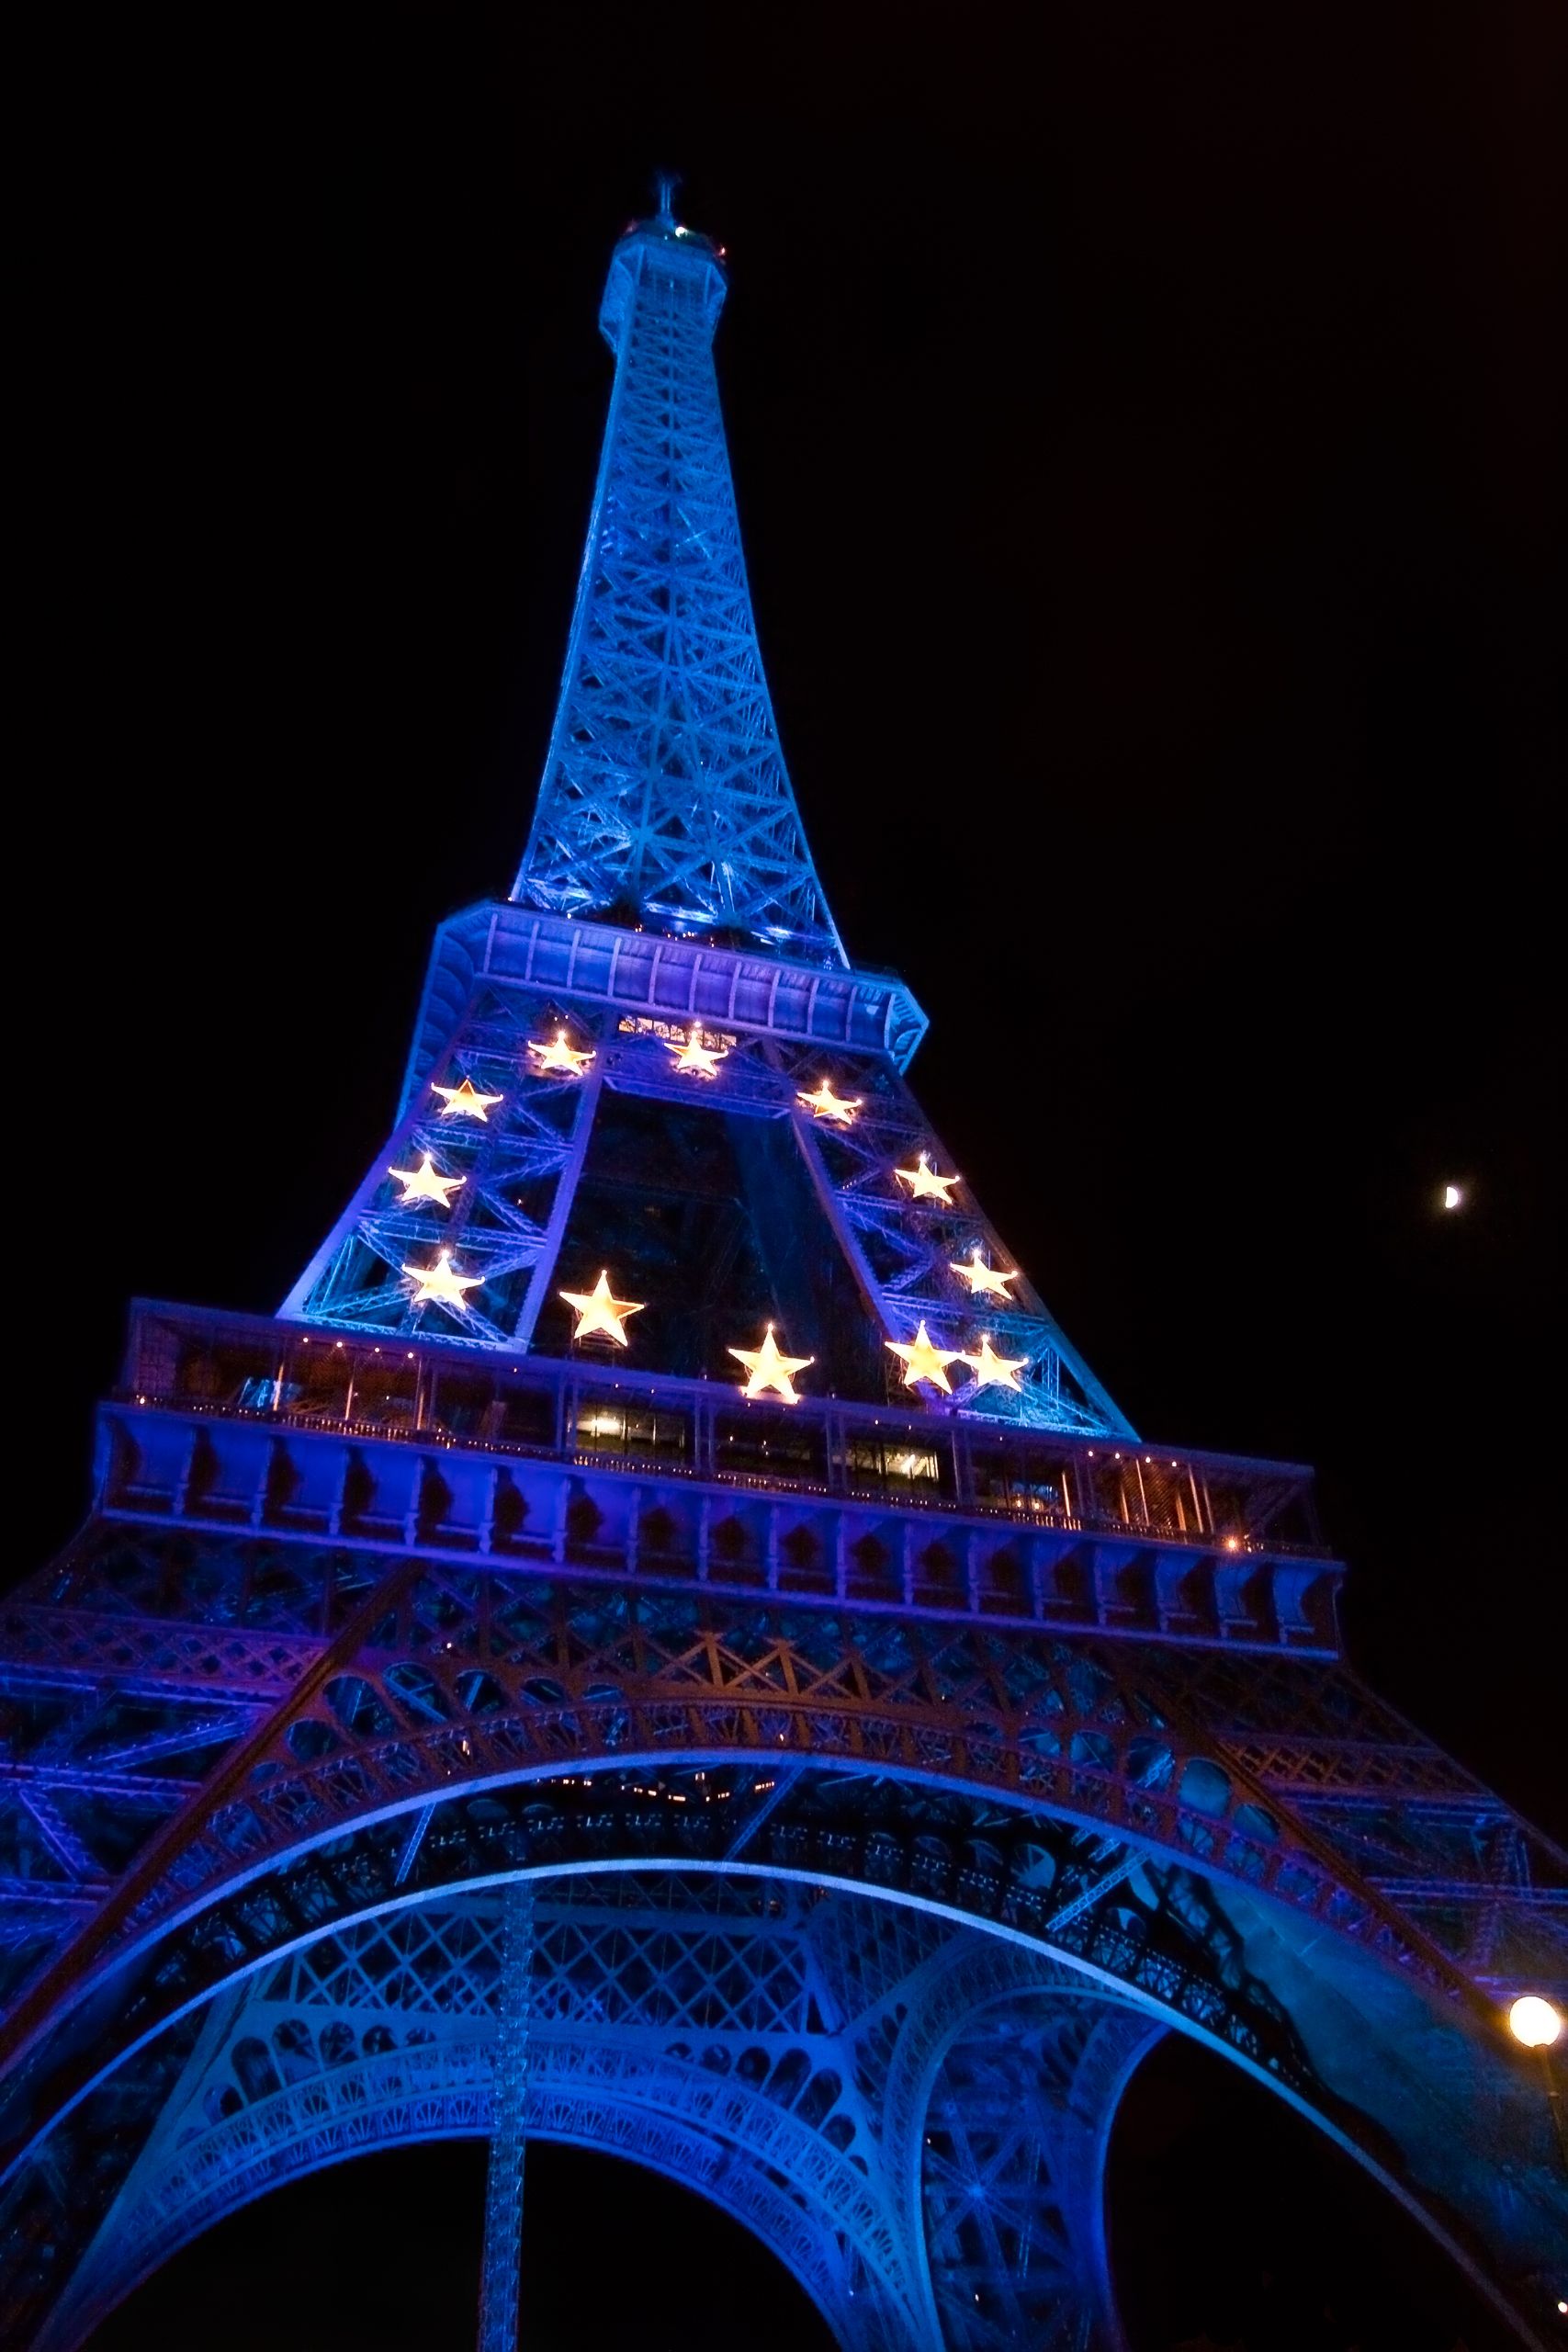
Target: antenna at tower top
(664,187)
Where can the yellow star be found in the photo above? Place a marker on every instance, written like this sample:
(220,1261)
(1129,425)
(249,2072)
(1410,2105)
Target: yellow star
(438,1285)
(924,1361)
(560,1056)
(465,1101)
(422,1183)
(768,1369)
(924,1182)
(983,1280)
(992,1370)
(701,1060)
(825,1105)
(597,1311)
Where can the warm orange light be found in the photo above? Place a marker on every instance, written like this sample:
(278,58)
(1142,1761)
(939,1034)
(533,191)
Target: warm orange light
(922,1360)
(438,1285)
(825,1105)
(924,1182)
(465,1101)
(770,1371)
(559,1054)
(992,1370)
(1535,2022)
(694,1057)
(985,1281)
(598,1312)
(422,1183)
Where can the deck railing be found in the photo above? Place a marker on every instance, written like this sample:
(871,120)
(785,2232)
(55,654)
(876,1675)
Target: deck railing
(596,1415)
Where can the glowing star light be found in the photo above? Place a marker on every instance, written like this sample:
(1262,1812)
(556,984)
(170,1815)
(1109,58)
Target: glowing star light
(924,1182)
(985,1281)
(825,1105)
(769,1370)
(559,1054)
(437,1285)
(992,1370)
(699,1061)
(422,1183)
(598,1312)
(924,1361)
(465,1101)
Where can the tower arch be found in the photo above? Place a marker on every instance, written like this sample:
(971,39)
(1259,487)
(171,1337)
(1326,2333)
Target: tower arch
(665,1487)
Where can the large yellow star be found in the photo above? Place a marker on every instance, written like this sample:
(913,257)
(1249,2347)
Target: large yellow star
(984,1281)
(422,1183)
(924,1182)
(992,1370)
(700,1060)
(558,1055)
(924,1361)
(597,1311)
(437,1285)
(465,1101)
(768,1369)
(825,1105)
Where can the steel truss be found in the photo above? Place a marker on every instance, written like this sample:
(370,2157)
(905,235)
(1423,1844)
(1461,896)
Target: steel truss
(519,1168)
(464,1726)
(511,2066)
(665,788)
(880,1773)
(734,2033)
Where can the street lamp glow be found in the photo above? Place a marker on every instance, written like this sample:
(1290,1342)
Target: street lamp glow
(1453,1196)
(1535,2022)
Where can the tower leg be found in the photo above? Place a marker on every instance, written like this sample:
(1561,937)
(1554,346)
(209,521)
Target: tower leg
(503,2187)
(1013,2177)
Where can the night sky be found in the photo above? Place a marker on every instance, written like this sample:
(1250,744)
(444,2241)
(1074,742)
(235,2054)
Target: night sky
(1147,429)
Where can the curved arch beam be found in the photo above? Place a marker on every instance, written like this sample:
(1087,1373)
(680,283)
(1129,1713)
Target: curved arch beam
(964,1858)
(884,1837)
(461,1677)
(440,2092)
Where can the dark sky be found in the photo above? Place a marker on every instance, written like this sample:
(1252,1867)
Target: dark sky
(1148,431)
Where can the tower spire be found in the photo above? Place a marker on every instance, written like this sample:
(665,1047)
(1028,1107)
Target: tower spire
(665,798)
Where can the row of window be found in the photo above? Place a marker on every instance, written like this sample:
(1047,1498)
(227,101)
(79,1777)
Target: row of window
(394,1391)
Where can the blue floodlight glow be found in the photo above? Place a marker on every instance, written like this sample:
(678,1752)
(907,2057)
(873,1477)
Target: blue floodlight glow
(455,1721)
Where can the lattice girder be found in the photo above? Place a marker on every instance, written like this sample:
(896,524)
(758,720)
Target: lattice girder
(1012,2174)
(919,1755)
(665,787)
(1003,1865)
(275,2085)
(505,1153)
(450,1671)
(518,1168)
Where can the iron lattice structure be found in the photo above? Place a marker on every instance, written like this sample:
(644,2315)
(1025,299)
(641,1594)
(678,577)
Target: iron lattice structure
(665,789)
(451,1721)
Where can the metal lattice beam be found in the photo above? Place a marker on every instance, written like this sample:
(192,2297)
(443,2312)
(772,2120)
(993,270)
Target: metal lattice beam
(509,2126)
(665,788)
(737,2016)
(439,1730)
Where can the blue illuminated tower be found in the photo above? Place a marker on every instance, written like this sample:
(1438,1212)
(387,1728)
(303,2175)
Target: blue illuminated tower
(662,1643)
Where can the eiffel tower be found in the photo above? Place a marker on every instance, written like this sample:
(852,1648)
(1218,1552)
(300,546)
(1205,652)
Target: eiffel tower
(662,1643)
